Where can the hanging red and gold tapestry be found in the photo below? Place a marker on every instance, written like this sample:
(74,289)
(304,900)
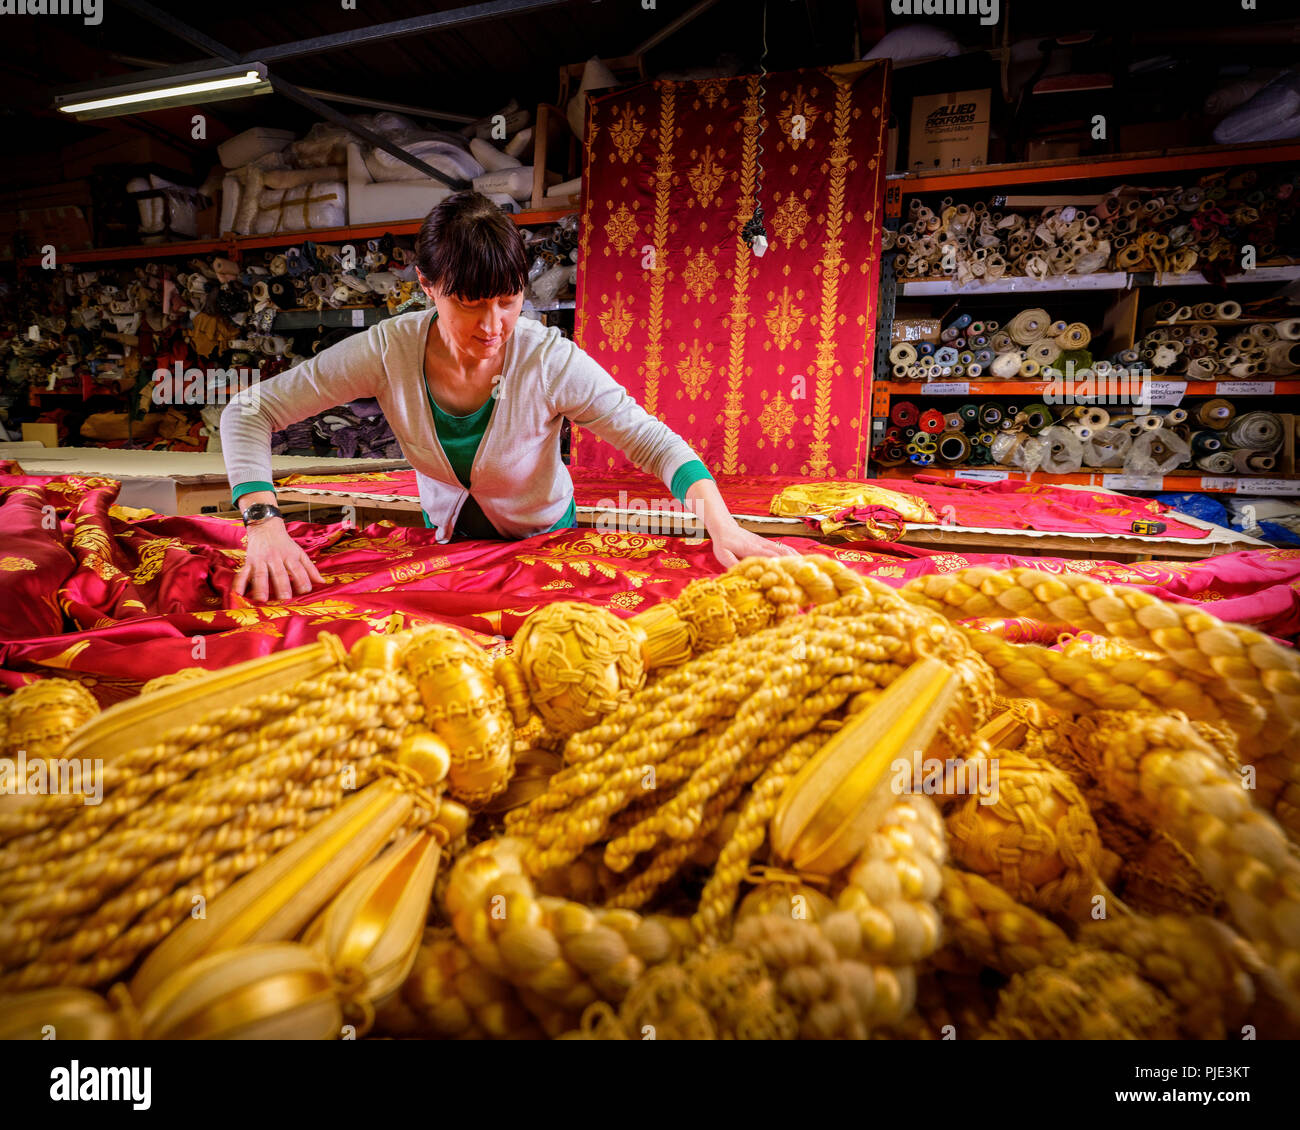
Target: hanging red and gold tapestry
(762,364)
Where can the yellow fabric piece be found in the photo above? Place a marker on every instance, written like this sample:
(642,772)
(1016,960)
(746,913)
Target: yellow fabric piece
(827,500)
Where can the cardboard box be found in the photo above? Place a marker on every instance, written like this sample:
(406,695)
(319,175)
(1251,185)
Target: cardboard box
(949,131)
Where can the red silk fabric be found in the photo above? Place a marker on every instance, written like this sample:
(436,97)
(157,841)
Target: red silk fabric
(87,593)
(763,365)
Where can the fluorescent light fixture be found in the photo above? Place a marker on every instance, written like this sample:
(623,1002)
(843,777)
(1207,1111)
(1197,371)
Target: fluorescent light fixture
(161,89)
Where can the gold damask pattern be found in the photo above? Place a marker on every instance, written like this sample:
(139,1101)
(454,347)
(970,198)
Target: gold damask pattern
(700,275)
(617,323)
(626,131)
(801,107)
(706,178)
(663,184)
(151,559)
(621,229)
(783,320)
(777,419)
(695,371)
(734,406)
(790,220)
(841,164)
(16,564)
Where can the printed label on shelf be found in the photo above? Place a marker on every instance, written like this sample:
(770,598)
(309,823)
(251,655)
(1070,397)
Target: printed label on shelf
(946,388)
(1167,394)
(1243,388)
(1268,486)
(358,317)
(1210,483)
(1133,482)
(981,476)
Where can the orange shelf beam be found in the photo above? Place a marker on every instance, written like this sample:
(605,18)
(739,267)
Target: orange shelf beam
(1042,172)
(1218,484)
(1016,388)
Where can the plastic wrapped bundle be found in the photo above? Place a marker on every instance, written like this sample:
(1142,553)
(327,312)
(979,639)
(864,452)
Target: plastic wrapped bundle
(1063,453)
(1156,452)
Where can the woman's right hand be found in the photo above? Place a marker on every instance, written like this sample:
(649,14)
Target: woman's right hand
(275,563)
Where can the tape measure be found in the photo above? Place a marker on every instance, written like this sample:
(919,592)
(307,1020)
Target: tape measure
(1143,526)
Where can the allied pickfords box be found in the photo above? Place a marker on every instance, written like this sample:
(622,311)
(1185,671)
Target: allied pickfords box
(949,131)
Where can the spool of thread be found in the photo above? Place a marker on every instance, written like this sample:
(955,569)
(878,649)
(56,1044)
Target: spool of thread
(991,415)
(1216,413)
(904,353)
(970,414)
(904,413)
(1258,431)
(932,421)
(953,449)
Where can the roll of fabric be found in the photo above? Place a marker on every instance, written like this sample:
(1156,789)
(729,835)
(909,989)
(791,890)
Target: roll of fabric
(1029,369)
(953,448)
(945,355)
(1284,357)
(1206,442)
(1037,417)
(1175,416)
(1006,366)
(904,413)
(1258,431)
(1260,461)
(932,421)
(1228,310)
(1216,462)
(991,415)
(953,422)
(1029,326)
(1107,447)
(970,414)
(1044,351)
(1094,417)
(1216,413)
(904,353)
(1150,422)
(1075,336)
(1063,454)
(1288,328)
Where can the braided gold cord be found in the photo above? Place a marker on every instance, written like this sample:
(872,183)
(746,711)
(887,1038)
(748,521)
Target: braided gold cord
(991,927)
(1159,767)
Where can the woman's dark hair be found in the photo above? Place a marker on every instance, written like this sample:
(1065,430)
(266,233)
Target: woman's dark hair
(469,248)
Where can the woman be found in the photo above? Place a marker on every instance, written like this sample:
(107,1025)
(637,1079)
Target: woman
(476,398)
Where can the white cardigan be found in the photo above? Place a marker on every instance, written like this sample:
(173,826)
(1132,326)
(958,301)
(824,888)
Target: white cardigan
(517,477)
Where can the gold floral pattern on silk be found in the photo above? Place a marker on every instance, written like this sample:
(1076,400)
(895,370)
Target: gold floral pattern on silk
(808,111)
(626,131)
(784,320)
(621,229)
(65,657)
(616,321)
(777,419)
(626,599)
(16,565)
(409,572)
(663,182)
(790,220)
(734,406)
(151,559)
(695,370)
(97,550)
(706,178)
(839,164)
(700,275)
(711,90)
(557,584)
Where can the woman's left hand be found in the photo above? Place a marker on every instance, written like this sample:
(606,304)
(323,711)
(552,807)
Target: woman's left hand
(731,543)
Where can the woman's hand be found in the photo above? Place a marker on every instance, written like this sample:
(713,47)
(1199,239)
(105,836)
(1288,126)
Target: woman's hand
(275,561)
(731,543)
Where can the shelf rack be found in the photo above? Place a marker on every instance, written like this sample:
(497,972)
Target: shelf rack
(995,177)
(232,245)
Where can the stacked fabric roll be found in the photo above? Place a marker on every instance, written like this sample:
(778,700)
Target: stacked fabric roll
(1025,348)
(1201,227)
(1193,342)
(1212,438)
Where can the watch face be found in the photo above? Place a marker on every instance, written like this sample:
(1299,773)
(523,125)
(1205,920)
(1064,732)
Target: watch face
(256,512)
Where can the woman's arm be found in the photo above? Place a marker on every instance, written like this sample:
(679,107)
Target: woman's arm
(275,564)
(730,542)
